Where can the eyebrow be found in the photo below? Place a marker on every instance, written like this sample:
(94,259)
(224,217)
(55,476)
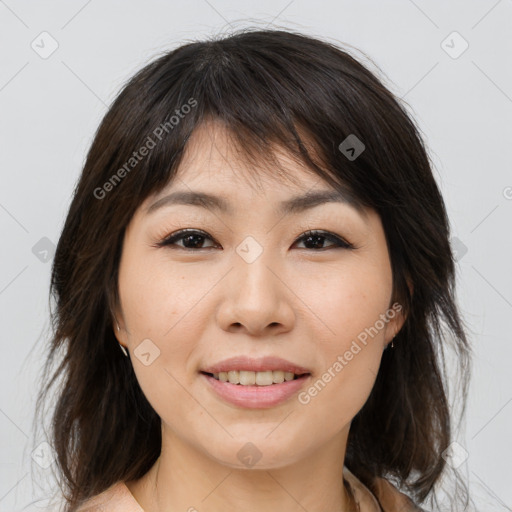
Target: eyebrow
(293,205)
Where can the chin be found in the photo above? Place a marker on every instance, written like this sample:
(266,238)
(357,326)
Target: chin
(255,455)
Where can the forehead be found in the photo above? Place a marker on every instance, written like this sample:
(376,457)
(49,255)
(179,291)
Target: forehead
(214,157)
(216,174)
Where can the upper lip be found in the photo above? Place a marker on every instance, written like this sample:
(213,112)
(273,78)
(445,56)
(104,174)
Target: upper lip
(255,365)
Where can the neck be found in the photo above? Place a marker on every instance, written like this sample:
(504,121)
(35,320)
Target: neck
(183,478)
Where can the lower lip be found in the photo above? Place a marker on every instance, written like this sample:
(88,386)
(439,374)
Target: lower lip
(256,397)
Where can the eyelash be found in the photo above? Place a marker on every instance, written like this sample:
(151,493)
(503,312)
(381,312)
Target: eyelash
(170,240)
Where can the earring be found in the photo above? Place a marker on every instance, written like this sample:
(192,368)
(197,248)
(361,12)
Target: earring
(122,347)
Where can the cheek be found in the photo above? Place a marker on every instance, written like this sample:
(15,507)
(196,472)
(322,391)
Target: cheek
(350,345)
(155,295)
(348,301)
(156,311)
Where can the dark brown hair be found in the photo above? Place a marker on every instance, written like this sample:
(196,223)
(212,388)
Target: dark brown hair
(305,95)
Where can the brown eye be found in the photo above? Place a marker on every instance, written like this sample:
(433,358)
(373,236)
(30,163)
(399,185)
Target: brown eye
(192,239)
(315,239)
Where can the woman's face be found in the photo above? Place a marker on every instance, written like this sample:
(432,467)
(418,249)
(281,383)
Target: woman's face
(252,284)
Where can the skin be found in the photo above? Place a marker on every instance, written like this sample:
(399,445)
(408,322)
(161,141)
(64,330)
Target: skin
(295,301)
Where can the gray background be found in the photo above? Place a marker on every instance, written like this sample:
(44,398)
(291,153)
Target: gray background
(50,108)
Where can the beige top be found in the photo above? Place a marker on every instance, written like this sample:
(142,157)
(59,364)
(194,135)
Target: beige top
(388,498)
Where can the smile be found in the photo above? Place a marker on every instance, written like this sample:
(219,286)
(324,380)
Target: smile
(250,378)
(255,396)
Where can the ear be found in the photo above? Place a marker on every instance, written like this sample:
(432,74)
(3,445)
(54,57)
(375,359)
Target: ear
(397,317)
(118,326)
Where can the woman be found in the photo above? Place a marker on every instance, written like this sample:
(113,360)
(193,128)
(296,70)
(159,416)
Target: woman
(254,289)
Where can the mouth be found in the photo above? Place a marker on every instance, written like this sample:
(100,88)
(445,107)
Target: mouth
(251,378)
(256,383)
(255,390)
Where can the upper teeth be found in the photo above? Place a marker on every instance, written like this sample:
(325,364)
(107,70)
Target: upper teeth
(247,378)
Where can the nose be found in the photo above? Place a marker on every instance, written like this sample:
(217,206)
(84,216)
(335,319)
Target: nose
(256,298)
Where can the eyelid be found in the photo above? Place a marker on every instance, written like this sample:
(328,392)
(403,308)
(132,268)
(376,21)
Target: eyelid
(329,235)
(338,241)
(180,233)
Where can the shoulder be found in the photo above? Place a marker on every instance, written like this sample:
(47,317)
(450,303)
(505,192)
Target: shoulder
(384,498)
(116,498)
(390,498)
